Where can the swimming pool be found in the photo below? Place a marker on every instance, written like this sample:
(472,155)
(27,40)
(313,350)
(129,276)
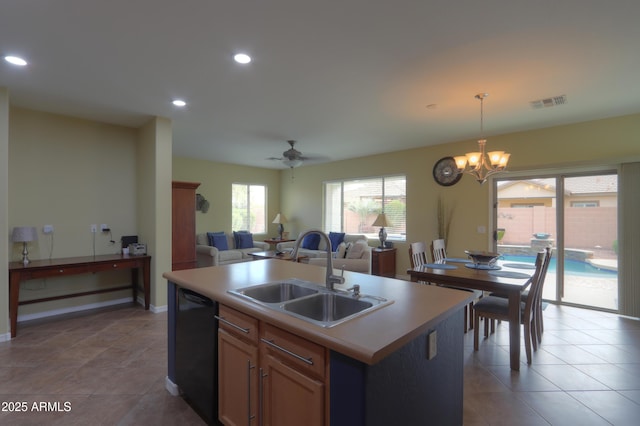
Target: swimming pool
(571,267)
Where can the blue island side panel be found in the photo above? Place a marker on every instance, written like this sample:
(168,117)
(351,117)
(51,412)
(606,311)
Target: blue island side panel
(405,388)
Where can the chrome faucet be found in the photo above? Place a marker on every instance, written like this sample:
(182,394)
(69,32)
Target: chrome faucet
(330,279)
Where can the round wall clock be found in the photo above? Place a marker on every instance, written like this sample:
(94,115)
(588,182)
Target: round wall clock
(445,172)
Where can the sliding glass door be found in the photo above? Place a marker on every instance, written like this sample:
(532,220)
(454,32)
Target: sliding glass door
(574,214)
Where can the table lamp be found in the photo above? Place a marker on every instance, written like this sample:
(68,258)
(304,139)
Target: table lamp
(382,221)
(24,234)
(280,219)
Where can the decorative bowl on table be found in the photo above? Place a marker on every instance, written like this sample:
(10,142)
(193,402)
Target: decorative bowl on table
(483,257)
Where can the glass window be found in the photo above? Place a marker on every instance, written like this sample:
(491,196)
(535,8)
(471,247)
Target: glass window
(248,208)
(352,206)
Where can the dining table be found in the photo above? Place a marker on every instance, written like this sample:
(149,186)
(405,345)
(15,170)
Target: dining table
(506,278)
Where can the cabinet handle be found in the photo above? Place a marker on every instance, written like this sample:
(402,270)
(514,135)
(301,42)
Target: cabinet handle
(249,368)
(237,327)
(288,352)
(261,400)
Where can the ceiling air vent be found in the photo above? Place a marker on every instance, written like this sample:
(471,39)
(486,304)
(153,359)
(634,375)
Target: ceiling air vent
(549,102)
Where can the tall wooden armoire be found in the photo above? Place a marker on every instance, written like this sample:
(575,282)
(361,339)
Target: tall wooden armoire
(183,218)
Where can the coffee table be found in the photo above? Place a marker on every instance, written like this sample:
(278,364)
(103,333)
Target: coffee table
(275,241)
(272,254)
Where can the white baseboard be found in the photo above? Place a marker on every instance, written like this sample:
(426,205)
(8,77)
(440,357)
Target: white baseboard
(171,387)
(28,317)
(72,309)
(54,312)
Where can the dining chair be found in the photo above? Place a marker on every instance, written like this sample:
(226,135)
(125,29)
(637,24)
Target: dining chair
(538,323)
(417,254)
(438,250)
(497,308)
(538,318)
(439,255)
(418,257)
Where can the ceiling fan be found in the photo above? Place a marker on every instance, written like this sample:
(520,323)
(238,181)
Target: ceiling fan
(291,157)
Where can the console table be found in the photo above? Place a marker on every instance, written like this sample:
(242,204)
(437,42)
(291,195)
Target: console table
(46,268)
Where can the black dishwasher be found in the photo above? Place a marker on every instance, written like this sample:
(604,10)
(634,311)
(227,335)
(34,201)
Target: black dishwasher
(196,364)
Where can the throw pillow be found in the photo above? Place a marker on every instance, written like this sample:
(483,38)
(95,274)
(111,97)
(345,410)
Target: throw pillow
(243,239)
(311,242)
(356,251)
(336,238)
(341,251)
(210,236)
(236,238)
(220,242)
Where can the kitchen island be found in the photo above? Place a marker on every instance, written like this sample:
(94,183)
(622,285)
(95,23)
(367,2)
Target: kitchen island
(399,364)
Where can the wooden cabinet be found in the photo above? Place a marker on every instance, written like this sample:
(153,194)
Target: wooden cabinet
(237,368)
(293,374)
(276,380)
(183,229)
(383,262)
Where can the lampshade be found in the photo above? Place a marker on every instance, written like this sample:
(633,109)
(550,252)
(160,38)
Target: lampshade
(23,234)
(280,218)
(381,220)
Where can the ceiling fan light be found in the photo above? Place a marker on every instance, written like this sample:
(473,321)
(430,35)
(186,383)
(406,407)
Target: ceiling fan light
(292,162)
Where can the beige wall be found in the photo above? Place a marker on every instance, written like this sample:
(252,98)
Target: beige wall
(4,208)
(153,207)
(609,141)
(69,173)
(215,185)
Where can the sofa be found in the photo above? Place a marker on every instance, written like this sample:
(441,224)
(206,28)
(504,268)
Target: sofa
(210,255)
(352,254)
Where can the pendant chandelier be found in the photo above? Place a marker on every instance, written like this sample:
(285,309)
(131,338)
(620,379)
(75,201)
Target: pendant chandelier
(479,164)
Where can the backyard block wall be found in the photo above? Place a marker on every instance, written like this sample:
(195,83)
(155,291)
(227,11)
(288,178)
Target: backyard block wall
(585,228)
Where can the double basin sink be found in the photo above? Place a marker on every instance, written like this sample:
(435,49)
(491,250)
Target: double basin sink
(311,302)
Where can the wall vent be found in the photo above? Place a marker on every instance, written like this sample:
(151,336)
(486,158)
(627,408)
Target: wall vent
(549,102)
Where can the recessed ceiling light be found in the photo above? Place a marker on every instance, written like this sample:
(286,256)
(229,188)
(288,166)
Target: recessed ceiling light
(242,58)
(179,102)
(15,60)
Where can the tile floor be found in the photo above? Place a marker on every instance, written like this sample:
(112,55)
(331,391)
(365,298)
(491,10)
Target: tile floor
(110,366)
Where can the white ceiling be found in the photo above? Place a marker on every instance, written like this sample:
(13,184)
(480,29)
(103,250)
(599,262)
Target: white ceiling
(344,78)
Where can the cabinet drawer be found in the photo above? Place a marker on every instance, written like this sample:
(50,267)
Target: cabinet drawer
(238,324)
(306,356)
(61,271)
(114,266)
